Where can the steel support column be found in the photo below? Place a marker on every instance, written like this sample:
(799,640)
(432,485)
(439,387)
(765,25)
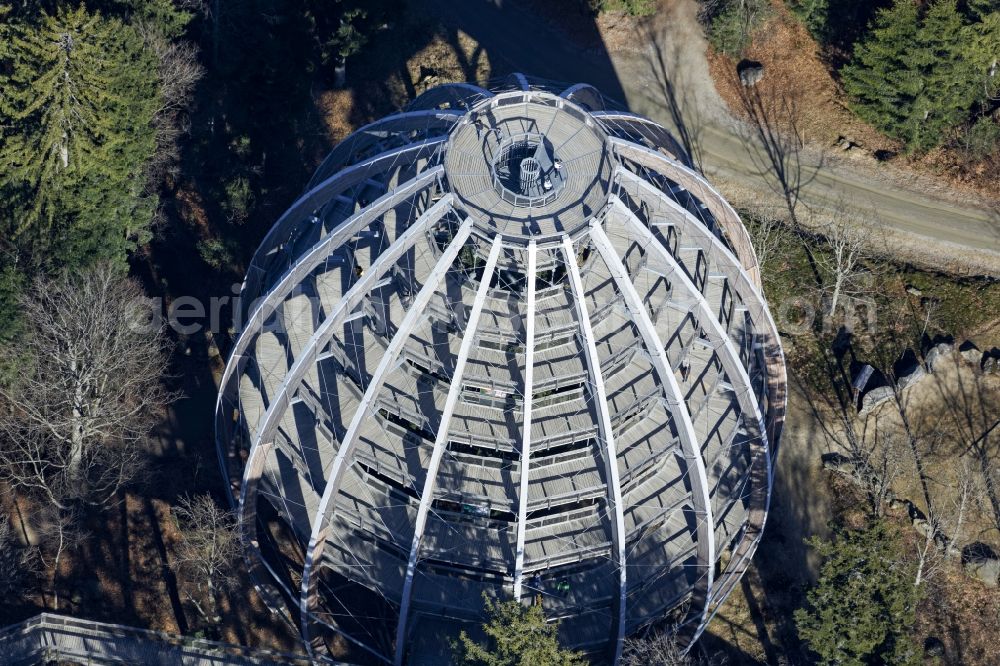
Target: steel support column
(321,526)
(737,374)
(526,409)
(441,442)
(705,527)
(610,452)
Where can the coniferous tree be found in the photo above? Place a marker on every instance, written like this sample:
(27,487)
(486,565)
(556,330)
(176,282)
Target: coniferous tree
(982,8)
(861,608)
(881,78)
(517,634)
(169,17)
(76,129)
(983,54)
(814,15)
(949,82)
(921,72)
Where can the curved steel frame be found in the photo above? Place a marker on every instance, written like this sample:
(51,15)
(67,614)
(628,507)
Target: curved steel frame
(345,152)
(607,437)
(419,127)
(441,441)
(776,381)
(736,234)
(325,192)
(321,533)
(675,405)
(677,152)
(526,416)
(461,93)
(585,94)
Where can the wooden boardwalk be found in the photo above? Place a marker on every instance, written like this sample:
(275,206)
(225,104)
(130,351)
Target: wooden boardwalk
(47,637)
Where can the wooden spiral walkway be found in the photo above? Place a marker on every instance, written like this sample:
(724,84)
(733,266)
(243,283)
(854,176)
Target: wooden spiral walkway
(46,638)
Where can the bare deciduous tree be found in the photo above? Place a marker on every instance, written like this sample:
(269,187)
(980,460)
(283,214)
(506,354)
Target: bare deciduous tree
(879,467)
(970,491)
(929,557)
(73,421)
(767,233)
(179,73)
(660,648)
(847,238)
(208,555)
(59,531)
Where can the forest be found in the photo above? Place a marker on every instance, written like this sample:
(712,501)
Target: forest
(146,146)
(143,142)
(924,73)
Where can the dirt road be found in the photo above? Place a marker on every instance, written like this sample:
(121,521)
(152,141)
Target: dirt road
(662,73)
(668,80)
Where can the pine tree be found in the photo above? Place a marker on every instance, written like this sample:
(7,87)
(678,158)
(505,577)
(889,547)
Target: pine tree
(814,15)
(881,79)
(169,17)
(983,53)
(79,95)
(982,8)
(517,635)
(918,74)
(949,87)
(863,604)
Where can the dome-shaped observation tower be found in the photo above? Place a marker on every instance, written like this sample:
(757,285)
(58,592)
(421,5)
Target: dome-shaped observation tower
(508,342)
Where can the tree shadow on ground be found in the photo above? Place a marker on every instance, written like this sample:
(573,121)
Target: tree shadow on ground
(674,93)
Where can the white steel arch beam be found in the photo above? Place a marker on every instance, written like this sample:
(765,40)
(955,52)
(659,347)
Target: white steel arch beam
(303,266)
(321,336)
(584,93)
(365,136)
(716,333)
(724,214)
(321,532)
(264,437)
(441,442)
(609,118)
(720,340)
(606,433)
(258,454)
(321,194)
(766,329)
(754,301)
(705,524)
(450,92)
(752,296)
(526,418)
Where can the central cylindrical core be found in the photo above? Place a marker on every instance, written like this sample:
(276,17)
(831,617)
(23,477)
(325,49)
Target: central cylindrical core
(529,174)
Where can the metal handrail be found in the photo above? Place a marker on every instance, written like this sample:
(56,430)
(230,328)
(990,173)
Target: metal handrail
(513,197)
(52,635)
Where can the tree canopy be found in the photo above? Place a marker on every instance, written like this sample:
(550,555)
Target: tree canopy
(517,635)
(76,131)
(922,70)
(862,606)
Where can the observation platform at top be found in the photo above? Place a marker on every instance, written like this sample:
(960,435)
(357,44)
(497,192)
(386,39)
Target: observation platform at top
(529,165)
